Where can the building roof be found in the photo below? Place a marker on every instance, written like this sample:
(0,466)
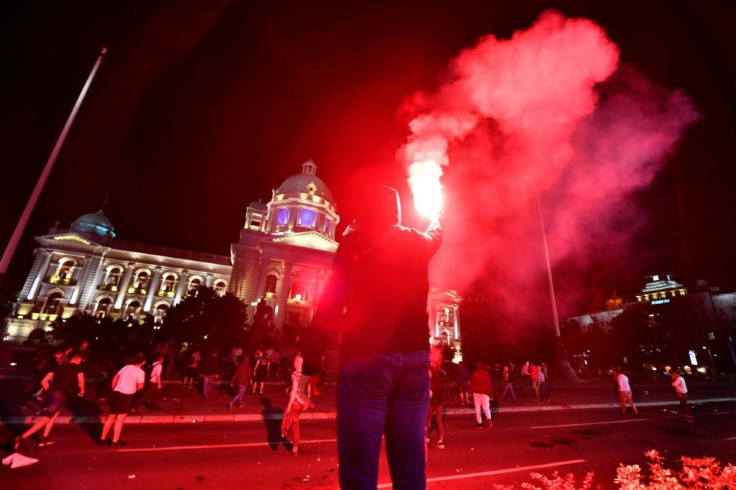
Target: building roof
(95,223)
(306,182)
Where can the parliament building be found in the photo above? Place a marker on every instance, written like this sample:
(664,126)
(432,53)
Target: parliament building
(283,256)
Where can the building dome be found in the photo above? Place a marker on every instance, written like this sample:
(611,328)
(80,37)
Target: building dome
(258,205)
(306,182)
(95,223)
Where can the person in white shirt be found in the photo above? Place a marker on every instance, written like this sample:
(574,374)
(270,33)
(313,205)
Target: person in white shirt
(678,383)
(125,384)
(147,396)
(624,391)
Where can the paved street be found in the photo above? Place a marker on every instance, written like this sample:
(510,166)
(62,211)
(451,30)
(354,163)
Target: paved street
(584,431)
(237,455)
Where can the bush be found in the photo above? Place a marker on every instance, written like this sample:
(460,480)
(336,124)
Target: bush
(698,473)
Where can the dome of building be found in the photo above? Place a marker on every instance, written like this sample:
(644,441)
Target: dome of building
(259,204)
(306,182)
(95,223)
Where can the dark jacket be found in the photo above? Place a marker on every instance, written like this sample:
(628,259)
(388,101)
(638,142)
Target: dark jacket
(480,382)
(377,293)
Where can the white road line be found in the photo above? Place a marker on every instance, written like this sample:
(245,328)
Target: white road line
(730,438)
(211,446)
(587,423)
(496,472)
(722,413)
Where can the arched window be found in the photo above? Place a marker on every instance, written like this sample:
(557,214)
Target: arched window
(194,283)
(306,218)
(131,309)
(160,313)
(271,281)
(53,304)
(220,287)
(103,307)
(282,217)
(141,279)
(113,273)
(64,271)
(168,284)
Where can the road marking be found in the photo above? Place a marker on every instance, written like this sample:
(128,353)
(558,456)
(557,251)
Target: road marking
(496,472)
(586,424)
(723,413)
(211,446)
(730,438)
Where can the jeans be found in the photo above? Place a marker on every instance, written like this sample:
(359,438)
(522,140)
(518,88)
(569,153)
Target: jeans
(238,399)
(207,381)
(385,392)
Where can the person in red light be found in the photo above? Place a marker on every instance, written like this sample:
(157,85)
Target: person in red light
(377,298)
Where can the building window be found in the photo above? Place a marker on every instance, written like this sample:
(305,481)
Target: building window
(168,285)
(131,311)
(220,287)
(298,292)
(194,284)
(307,218)
(282,218)
(327,227)
(112,277)
(160,314)
(64,272)
(103,308)
(53,304)
(255,222)
(141,279)
(271,282)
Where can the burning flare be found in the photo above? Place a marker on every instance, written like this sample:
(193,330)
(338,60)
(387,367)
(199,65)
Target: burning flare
(424,180)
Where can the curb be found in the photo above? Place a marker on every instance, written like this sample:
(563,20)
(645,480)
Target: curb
(254,417)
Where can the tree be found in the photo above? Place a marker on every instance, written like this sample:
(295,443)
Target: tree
(634,337)
(207,316)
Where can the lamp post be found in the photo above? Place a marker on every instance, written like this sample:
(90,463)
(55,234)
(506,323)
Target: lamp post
(560,350)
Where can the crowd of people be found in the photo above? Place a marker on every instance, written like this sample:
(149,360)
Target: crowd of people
(129,383)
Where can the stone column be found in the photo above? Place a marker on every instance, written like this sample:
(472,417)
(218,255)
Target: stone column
(40,266)
(181,288)
(283,296)
(124,283)
(152,288)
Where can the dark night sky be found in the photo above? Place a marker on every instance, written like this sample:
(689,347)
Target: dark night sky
(201,107)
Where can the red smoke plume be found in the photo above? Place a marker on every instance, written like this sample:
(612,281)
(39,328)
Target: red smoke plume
(547,114)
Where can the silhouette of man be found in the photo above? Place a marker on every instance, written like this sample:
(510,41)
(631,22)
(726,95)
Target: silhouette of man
(377,298)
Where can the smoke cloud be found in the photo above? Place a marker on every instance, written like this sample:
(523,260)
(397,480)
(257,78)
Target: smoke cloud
(545,120)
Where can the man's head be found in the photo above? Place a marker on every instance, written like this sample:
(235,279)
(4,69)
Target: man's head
(298,362)
(379,206)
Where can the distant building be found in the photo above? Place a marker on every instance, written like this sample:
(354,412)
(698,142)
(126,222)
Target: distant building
(711,313)
(282,259)
(85,268)
(286,248)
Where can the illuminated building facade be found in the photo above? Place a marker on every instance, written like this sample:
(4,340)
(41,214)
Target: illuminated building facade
(283,256)
(710,317)
(445,325)
(85,268)
(286,249)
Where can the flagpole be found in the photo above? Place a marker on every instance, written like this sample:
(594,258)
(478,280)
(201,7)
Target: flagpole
(23,221)
(555,317)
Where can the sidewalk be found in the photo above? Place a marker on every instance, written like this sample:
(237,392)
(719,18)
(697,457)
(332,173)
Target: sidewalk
(180,404)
